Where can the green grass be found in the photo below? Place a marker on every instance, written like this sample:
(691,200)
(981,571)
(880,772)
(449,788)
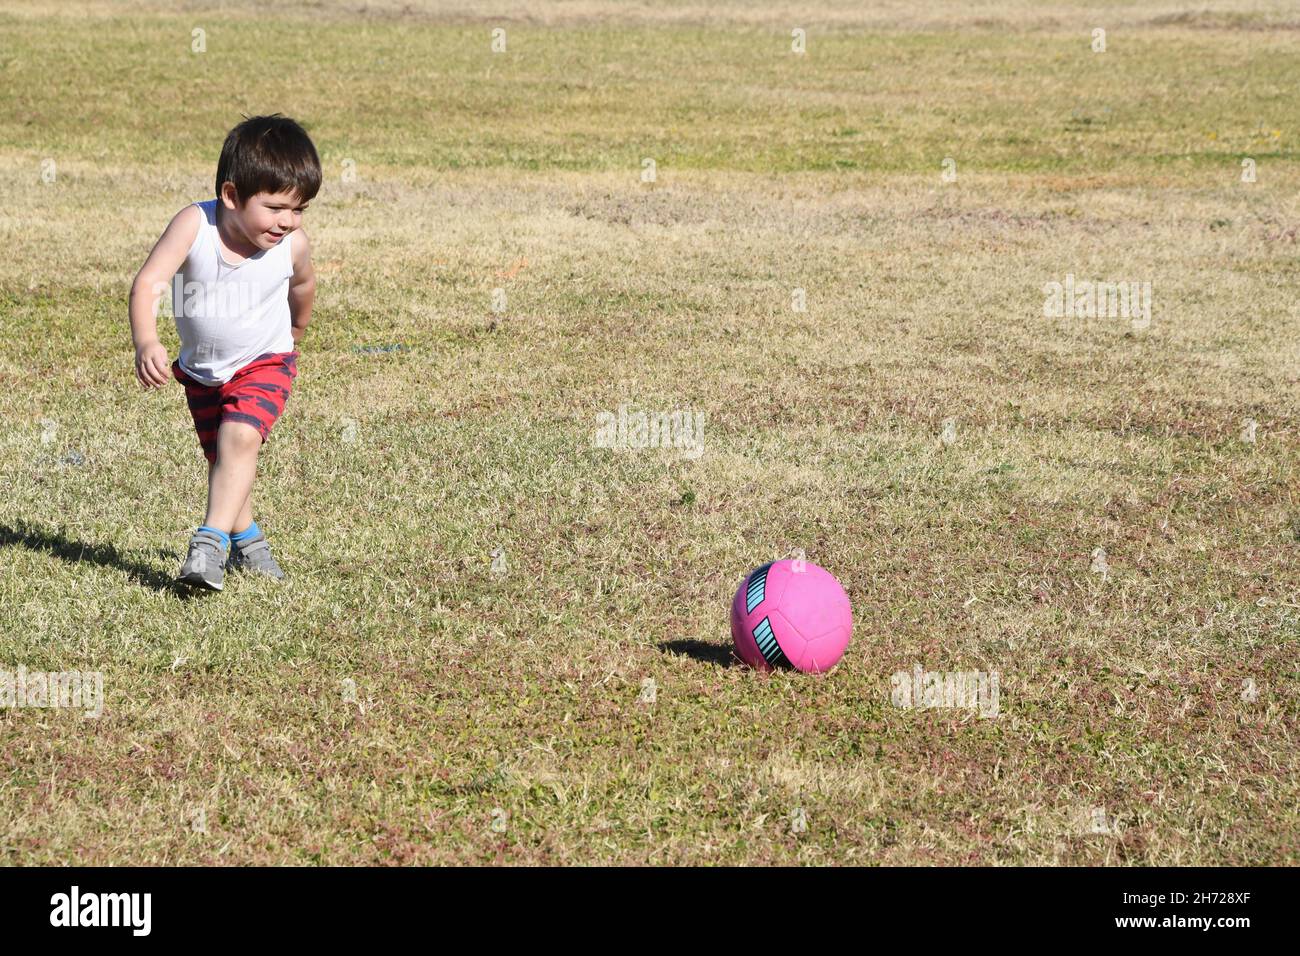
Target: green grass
(394,476)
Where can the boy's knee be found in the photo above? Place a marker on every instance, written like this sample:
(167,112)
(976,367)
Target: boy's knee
(238,437)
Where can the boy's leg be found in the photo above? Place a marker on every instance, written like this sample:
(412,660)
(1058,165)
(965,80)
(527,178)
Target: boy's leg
(230,478)
(245,518)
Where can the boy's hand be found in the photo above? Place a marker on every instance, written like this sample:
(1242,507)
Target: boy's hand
(152,367)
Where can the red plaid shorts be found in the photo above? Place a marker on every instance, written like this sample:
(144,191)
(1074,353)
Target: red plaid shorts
(254,395)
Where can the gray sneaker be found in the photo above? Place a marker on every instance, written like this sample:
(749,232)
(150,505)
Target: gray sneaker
(203,564)
(254,555)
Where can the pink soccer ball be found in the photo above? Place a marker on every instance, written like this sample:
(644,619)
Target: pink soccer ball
(791,613)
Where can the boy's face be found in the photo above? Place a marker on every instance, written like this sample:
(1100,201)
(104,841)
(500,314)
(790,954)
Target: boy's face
(267,217)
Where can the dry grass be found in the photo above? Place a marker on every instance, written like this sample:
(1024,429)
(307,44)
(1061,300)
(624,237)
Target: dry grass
(394,475)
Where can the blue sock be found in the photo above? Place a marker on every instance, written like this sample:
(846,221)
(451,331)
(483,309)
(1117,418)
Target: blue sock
(225,538)
(252,531)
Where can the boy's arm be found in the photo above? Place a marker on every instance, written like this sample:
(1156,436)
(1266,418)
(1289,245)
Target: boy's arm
(150,283)
(302,287)
(155,275)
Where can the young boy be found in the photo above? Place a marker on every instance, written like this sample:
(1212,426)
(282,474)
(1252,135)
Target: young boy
(242,291)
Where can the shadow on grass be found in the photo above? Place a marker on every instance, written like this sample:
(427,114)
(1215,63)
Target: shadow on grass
(74,552)
(702,651)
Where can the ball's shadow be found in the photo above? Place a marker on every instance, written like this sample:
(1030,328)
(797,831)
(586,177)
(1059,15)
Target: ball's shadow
(720,654)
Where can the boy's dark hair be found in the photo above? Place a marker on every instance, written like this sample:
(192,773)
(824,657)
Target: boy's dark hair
(269,154)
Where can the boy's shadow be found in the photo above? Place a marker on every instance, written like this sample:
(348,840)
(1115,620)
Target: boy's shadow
(74,552)
(701,651)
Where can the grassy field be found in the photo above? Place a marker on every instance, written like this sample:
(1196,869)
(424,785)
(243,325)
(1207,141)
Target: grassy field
(404,697)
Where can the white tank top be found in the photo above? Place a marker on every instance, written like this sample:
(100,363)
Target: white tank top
(228,315)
